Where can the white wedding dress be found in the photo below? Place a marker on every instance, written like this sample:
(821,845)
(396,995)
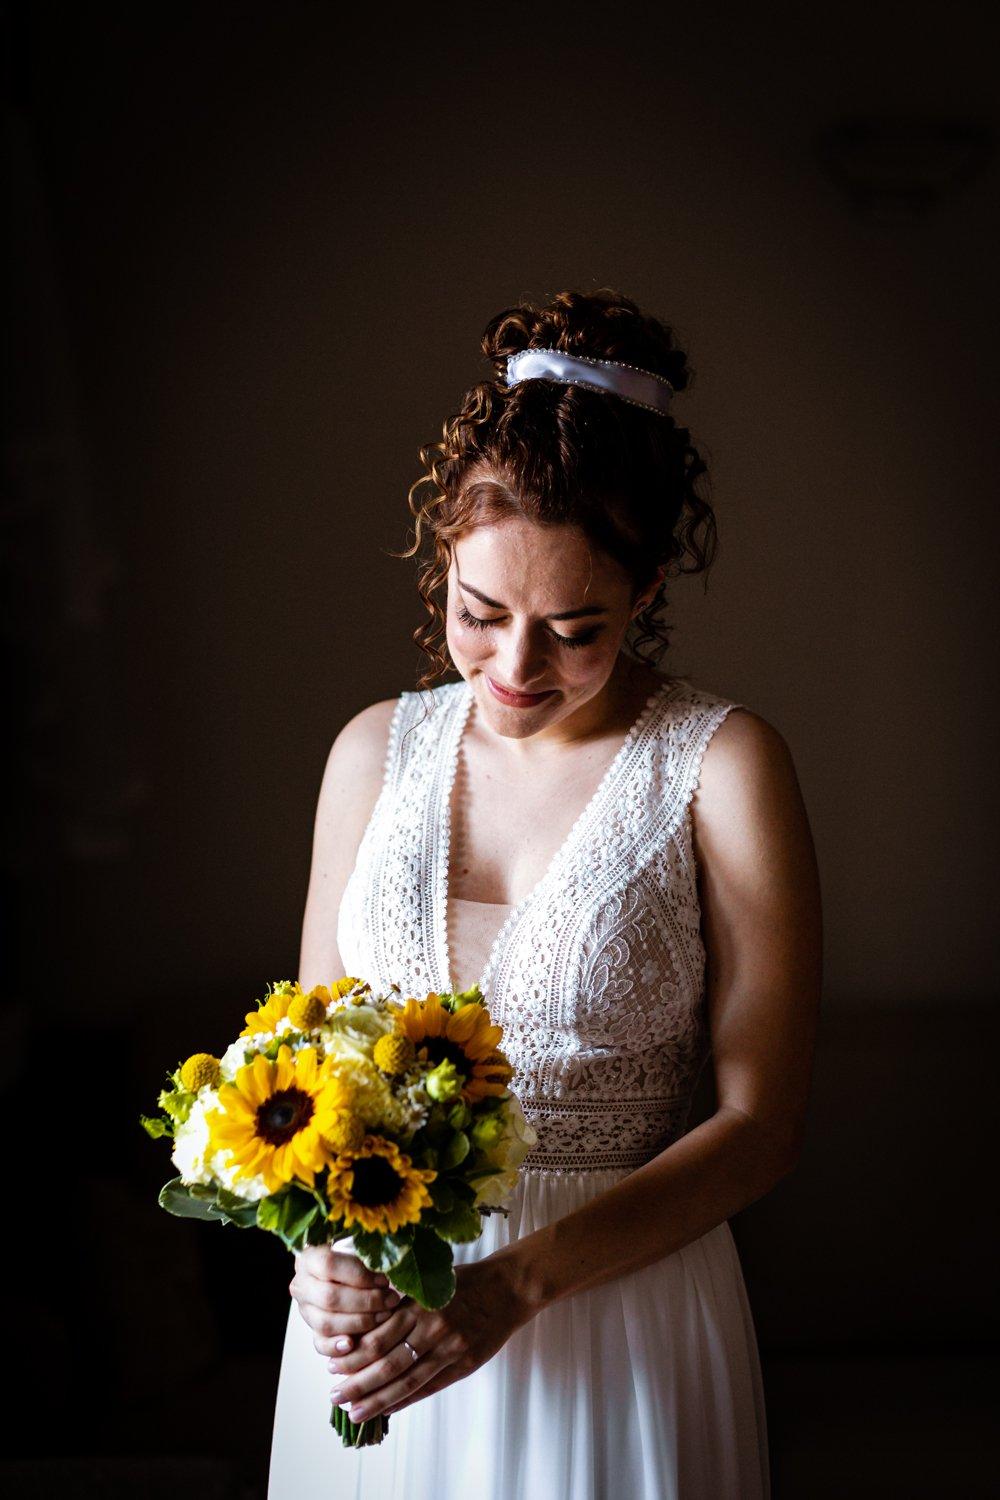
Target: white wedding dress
(649,1386)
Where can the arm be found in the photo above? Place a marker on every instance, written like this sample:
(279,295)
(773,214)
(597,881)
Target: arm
(351,784)
(762,927)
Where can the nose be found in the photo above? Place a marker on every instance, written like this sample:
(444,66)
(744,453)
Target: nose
(521,662)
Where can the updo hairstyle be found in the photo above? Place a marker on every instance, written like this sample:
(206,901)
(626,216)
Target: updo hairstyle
(562,454)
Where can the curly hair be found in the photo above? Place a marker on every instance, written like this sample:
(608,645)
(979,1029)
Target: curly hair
(562,454)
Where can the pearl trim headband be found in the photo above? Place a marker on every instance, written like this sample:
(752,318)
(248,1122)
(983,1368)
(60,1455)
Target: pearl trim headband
(639,387)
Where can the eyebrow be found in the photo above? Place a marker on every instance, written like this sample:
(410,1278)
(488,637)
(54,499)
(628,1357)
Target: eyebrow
(567,614)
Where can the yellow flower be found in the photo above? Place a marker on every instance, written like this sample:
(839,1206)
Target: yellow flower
(344,1131)
(274,1009)
(200,1068)
(467,1037)
(393,1053)
(306,1012)
(271,1117)
(377,1187)
(344,986)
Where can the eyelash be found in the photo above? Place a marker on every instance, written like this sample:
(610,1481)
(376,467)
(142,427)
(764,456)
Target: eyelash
(572,641)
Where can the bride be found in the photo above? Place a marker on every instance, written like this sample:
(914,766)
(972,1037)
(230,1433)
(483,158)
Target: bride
(624,863)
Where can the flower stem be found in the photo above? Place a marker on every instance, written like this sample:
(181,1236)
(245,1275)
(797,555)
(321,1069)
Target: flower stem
(359,1434)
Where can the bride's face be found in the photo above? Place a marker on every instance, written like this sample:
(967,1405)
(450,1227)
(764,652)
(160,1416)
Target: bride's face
(537,610)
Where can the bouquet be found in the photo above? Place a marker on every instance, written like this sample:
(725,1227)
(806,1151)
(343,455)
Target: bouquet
(341,1111)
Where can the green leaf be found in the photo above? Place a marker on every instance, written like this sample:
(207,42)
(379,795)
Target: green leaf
(456,1150)
(462,1224)
(291,1214)
(181,1199)
(156,1125)
(463,1191)
(383,1252)
(426,1273)
(442,1194)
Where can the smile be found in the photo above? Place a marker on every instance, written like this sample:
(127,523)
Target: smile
(517,700)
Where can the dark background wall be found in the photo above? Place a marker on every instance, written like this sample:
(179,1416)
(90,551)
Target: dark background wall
(254,247)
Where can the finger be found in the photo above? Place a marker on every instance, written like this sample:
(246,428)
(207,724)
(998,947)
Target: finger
(444,1377)
(335,1297)
(327,1264)
(391,1379)
(374,1344)
(326,1344)
(329,1326)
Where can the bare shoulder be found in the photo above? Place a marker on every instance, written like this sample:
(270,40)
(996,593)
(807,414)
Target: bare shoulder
(369,727)
(366,735)
(352,781)
(744,745)
(748,797)
(356,762)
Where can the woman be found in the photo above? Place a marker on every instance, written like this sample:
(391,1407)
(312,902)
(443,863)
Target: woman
(624,863)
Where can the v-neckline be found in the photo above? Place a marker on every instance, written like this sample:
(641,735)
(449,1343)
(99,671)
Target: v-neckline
(442,884)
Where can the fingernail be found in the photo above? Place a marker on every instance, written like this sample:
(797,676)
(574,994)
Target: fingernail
(342,1344)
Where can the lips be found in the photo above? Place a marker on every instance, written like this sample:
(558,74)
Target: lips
(516,700)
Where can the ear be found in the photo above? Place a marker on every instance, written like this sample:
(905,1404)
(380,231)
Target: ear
(646,597)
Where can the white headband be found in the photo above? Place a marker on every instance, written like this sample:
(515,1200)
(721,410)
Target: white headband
(640,387)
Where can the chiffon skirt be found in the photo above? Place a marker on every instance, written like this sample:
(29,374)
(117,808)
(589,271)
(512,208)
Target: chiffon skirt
(647,1387)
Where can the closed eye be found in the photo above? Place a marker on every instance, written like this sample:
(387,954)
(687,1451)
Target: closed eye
(572,641)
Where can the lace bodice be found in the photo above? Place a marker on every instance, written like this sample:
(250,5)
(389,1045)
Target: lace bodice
(597,975)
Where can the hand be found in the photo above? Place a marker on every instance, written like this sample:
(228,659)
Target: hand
(339,1297)
(381,1375)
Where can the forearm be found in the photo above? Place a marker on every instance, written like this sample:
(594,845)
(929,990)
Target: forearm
(696,1183)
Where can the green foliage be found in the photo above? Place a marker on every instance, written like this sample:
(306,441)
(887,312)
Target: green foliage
(203,1201)
(460,1224)
(156,1125)
(292,1215)
(416,1259)
(442,1194)
(456,1150)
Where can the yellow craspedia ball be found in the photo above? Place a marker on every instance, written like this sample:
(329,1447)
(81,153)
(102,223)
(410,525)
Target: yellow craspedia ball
(307,1011)
(200,1069)
(393,1053)
(344,1131)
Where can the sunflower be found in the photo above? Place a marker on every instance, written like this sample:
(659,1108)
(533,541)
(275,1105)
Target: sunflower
(273,1115)
(273,1009)
(377,1187)
(467,1037)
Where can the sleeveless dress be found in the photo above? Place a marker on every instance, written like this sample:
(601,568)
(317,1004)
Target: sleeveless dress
(649,1386)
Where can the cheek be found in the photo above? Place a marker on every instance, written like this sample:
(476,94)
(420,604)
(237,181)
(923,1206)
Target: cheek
(465,642)
(591,664)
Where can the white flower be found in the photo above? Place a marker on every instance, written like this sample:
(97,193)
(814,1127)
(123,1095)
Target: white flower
(250,1188)
(191,1141)
(234,1058)
(190,1154)
(355,1029)
(517,1140)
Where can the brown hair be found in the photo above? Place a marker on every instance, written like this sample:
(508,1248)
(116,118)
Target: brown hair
(566,455)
